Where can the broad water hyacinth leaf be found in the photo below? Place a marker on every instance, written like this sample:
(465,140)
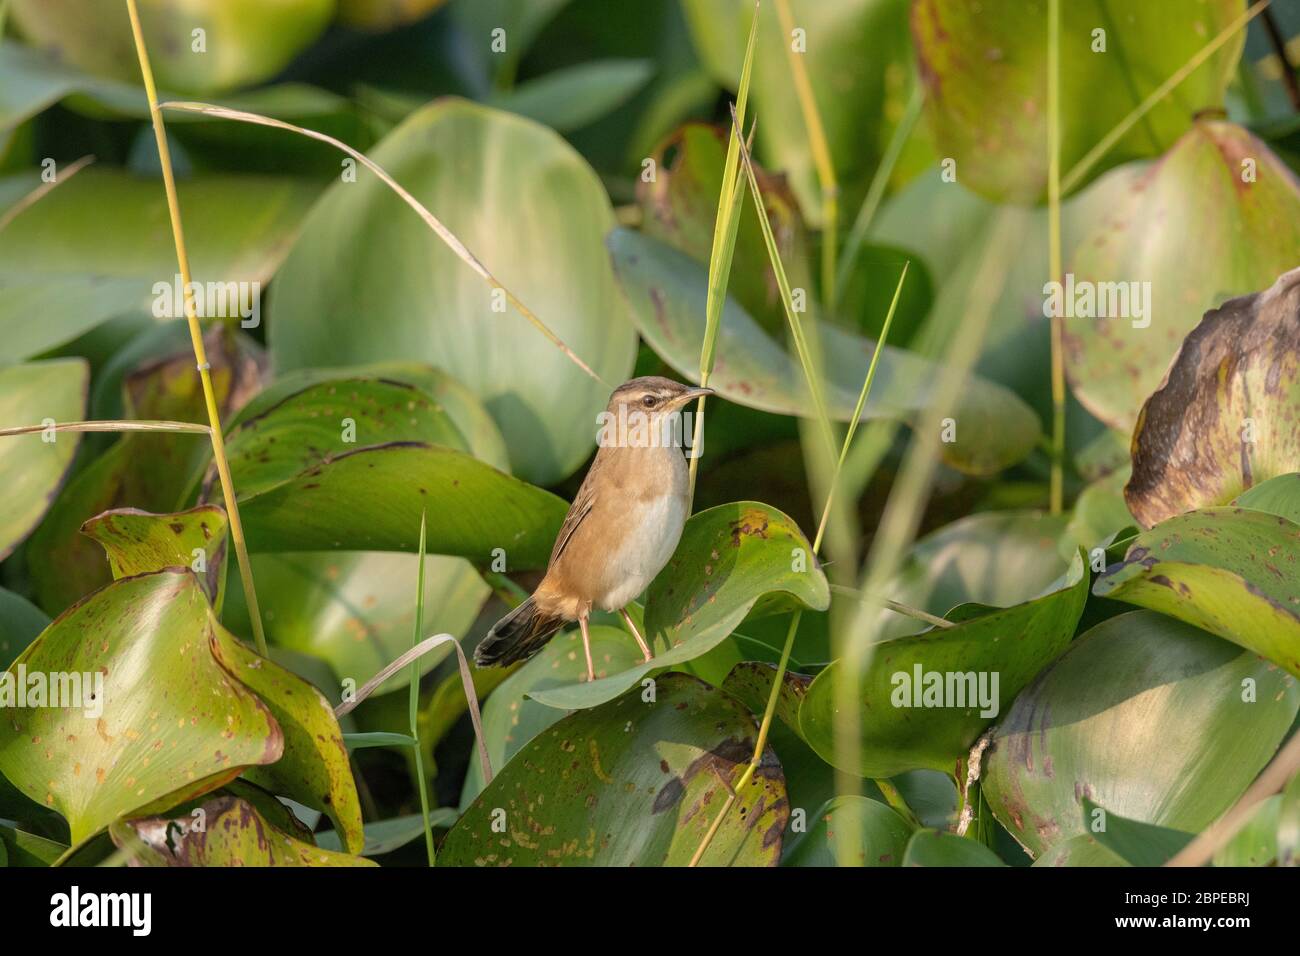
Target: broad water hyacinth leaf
(314,768)
(1227,415)
(1136,843)
(1151,718)
(995,558)
(934,848)
(991,429)
(33,467)
(250,40)
(77,271)
(927,697)
(159,722)
(233,833)
(633,782)
(20,623)
(733,560)
(883,832)
(351,464)
(984,67)
(511,718)
(137,542)
(1230,571)
(1133,293)
(369,281)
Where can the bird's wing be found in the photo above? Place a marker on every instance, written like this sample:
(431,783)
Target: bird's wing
(578,511)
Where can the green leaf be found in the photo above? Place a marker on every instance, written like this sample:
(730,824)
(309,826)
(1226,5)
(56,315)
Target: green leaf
(28,849)
(1248,223)
(479,432)
(1229,571)
(1279,496)
(385,836)
(667,291)
(32,81)
(947,228)
(984,66)
(354,609)
(860,46)
(1080,850)
(932,848)
(315,769)
(1197,718)
(138,542)
(1100,511)
(1138,844)
(351,464)
(20,623)
(251,41)
(902,726)
(378,738)
(158,734)
(573,97)
(233,833)
(149,470)
(1256,843)
(732,560)
(884,835)
(77,270)
(32,468)
(511,715)
(368,280)
(630,783)
(995,558)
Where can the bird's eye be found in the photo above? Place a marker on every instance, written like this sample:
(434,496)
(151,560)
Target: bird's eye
(649,401)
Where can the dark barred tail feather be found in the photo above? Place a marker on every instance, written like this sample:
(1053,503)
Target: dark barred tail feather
(517,636)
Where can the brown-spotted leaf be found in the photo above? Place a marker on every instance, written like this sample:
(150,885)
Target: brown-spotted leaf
(153,719)
(1227,415)
(228,832)
(314,769)
(138,542)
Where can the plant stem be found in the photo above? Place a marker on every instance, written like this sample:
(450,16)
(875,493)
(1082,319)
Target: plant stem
(1057,496)
(196,336)
(725,227)
(413,705)
(109,426)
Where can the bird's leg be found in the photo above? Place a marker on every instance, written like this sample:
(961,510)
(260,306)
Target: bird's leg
(586,646)
(627,619)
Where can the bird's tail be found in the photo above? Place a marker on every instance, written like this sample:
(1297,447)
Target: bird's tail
(517,636)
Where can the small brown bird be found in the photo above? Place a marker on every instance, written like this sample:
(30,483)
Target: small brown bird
(621,529)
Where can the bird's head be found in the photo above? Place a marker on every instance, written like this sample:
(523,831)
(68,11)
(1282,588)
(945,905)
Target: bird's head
(654,396)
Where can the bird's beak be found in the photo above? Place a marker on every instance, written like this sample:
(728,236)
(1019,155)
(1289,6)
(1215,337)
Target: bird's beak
(692,393)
